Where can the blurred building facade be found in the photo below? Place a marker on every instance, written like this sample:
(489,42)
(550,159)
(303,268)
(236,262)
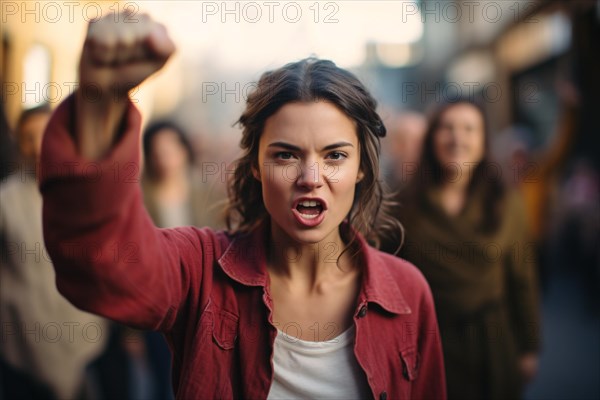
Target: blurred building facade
(41,46)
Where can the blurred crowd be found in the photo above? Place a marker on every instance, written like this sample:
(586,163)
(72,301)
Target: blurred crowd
(495,218)
(483,215)
(49,348)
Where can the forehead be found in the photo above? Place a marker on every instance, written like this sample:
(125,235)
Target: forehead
(311,122)
(166,134)
(462,112)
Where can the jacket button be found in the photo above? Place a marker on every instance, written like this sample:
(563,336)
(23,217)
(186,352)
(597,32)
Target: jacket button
(362,312)
(383,395)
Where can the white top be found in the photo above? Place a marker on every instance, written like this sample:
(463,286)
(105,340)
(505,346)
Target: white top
(317,370)
(173,215)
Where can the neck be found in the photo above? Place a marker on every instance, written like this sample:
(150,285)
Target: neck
(173,188)
(460,184)
(453,196)
(175,180)
(307,265)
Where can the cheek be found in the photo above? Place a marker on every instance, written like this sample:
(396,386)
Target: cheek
(159,159)
(342,184)
(341,178)
(440,142)
(170,152)
(180,158)
(481,147)
(476,146)
(275,185)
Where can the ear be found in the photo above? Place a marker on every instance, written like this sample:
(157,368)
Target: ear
(360,176)
(255,173)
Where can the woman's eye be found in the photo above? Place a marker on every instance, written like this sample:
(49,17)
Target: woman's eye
(336,155)
(284,155)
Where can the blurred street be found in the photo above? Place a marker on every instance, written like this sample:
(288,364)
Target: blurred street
(570,359)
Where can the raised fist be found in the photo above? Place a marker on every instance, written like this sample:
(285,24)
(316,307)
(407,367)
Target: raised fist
(120,52)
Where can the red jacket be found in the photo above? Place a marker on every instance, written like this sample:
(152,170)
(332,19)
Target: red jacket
(208,291)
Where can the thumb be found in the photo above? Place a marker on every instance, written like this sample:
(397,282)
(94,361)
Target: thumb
(159,43)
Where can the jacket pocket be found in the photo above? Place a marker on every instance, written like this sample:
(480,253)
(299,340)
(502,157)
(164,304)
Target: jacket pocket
(410,363)
(225,330)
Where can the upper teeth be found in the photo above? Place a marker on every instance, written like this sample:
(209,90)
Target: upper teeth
(309,203)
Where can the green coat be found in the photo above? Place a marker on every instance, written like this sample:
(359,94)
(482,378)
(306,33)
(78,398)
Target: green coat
(485,290)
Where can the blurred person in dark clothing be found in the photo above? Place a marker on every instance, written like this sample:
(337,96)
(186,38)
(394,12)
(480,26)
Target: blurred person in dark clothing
(401,149)
(43,335)
(135,366)
(17,384)
(468,235)
(536,174)
(575,241)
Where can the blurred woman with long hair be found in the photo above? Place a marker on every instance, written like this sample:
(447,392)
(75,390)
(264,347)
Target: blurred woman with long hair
(467,233)
(174,192)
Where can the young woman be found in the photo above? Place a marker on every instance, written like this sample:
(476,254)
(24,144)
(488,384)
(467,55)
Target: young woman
(291,302)
(468,235)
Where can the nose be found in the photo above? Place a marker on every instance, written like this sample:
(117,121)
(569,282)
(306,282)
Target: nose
(454,137)
(309,176)
(454,133)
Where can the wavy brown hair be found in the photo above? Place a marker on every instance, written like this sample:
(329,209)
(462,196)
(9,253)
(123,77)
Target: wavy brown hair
(309,80)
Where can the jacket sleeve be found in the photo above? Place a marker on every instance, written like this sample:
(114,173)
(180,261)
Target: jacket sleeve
(431,381)
(109,257)
(522,281)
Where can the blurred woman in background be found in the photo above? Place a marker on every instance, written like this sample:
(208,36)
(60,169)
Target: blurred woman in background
(174,194)
(467,233)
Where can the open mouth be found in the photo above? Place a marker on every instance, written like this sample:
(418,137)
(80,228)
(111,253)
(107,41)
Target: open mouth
(310,212)
(309,209)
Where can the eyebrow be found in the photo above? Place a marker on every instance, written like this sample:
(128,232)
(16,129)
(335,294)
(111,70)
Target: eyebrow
(296,148)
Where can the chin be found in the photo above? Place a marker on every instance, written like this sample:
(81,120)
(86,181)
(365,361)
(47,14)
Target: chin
(303,235)
(306,236)
(311,237)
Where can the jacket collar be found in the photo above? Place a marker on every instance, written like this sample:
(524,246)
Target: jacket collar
(244,261)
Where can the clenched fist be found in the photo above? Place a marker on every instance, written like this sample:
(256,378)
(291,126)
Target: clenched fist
(119,53)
